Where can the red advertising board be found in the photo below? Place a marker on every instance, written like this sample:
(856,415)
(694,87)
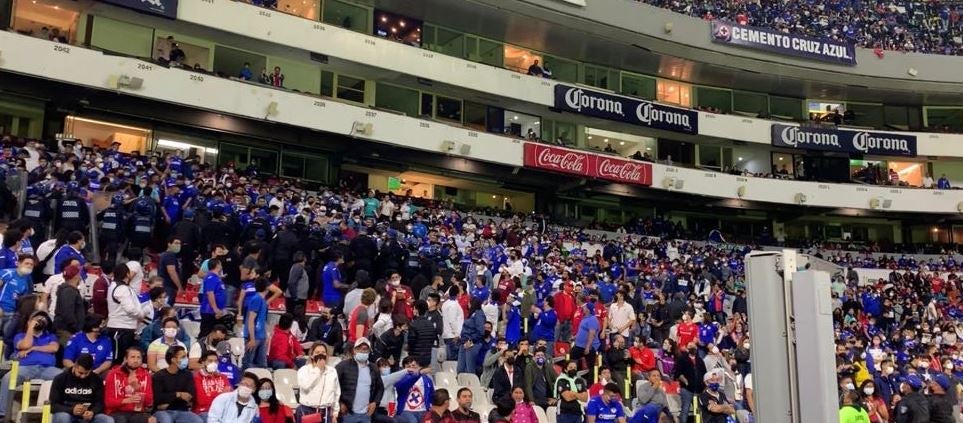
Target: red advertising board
(589,165)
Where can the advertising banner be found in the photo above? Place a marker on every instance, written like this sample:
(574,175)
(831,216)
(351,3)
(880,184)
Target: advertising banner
(821,49)
(588,165)
(165,8)
(625,109)
(844,141)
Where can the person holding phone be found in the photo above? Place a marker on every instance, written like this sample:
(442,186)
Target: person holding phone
(36,349)
(77,394)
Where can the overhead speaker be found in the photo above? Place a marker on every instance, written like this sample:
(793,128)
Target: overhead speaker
(465,149)
(741,191)
(874,203)
(679,183)
(800,198)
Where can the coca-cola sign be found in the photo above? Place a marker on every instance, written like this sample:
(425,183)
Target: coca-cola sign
(626,109)
(588,165)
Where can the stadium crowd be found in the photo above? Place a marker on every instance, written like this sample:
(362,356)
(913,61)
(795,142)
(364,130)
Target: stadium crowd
(374,302)
(932,27)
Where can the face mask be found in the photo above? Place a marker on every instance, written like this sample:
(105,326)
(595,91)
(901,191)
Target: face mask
(948,366)
(385,371)
(25,270)
(850,387)
(488,334)
(924,365)
(540,361)
(265,394)
(888,371)
(170,332)
(869,390)
(713,386)
(183,363)
(361,357)
(746,345)
(571,373)
(211,367)
(244,392)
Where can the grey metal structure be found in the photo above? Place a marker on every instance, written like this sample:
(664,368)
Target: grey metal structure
(790,316)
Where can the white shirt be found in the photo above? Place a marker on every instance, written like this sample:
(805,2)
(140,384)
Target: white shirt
(619,316)
(319,389)
(452,318)
(382,325)
(123,308)
(927,182)
(387,208)
(491,313)
(45,249)
(50,288)
(137,275)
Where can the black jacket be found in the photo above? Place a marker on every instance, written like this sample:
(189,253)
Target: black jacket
(348,376)
(693,372)
(913,408)
(501,386)
(421,338)
(615,360)
(941,409)
(68,390)
(167,385)
(71,310)
(389,345)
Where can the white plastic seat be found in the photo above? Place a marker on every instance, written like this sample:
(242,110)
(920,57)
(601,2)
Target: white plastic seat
(449,366)
(286,386)
(261,373)
(483,410)
(448,378)
(333,361)
(480,397)
(469,380)
(42,398)
(237,350)
(540,414)
(551,414)
(191,328)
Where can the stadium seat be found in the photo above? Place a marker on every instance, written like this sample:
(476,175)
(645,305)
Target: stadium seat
(446,378)
(286,386)
(191,328)
(483,410)
(42,398)
(333,361)
(237,350)
(260,372)
(551,414)
(479,397)
(449,366)
(540,414)
(469,380)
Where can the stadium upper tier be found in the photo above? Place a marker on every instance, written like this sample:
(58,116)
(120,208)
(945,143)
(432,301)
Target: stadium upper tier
(908,26)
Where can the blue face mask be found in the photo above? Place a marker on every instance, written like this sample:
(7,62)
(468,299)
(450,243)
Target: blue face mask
(385,371)
(361,357)
(183,363)
(713,386)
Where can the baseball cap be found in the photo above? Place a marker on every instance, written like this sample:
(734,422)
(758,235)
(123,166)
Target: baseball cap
(362,341)
(942,380)
(914,381)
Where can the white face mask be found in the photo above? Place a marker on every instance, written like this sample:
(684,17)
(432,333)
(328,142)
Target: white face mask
(244,392)
(869,390)
(850,386)
(745,345)
(211,367)
(170,332)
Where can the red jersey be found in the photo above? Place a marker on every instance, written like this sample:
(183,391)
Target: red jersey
(564,306)
(577,319)
(206,388)
(686,332)
(643,359)
(401,303)
(284,347)
(353,323)
(119,385)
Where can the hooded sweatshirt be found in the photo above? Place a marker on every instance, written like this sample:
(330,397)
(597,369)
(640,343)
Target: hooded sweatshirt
(68,390)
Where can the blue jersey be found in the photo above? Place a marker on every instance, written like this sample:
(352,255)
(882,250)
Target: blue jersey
(101,349)
(173,208)
(513,326)
(329,275)
(8,259)
(256,304)
(480,293)
(14,286)
(707,333)
(212,283)
(67,252)
(228,369)
(544,291)
(545,326)
(38,358)
(604,412)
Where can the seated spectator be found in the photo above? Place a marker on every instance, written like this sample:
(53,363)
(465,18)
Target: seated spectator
(237,406)
(650,393)
(414,389)
(602,406)
(36,347)
(713,404)
(77,394)
(174,389)
(91,341)
(202,346)
(502,412)
(439,412)
(129,391)
(157,350)
(535,69)
(286,351)
(208,383)
(271,410)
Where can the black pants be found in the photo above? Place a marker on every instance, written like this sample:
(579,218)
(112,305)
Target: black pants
(578,353)
(129,417)
(123,339)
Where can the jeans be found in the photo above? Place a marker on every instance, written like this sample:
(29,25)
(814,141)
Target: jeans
(69,418)
(176,416)
(563,330)
(409,416)
(25,373)
(451,349)
(254,358)
(356,418)
(468,358)
(686,398)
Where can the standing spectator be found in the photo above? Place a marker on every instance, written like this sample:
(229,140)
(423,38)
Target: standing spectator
(318,384)
(507,376)
(941,403)
(129,393)
(298,283)
(587,337)
(606,407)
(52,285)
(277,78)
(255,322)
(73,311)
(943,182)
(523,412)
(246,73)
(37,347)
(332,284)
(464,413)
(285,348)
(91,341)
(11,247)
(540,380)
(359,322)
(157,350)
(237,406)
(414,389)
(362,385)
(174,389)
(453,320)
(873,402)
(213,297)
(471,338)
(170,270)
(422,334)
(124,312)
(546,320)
(689,371)
(209,382)
(913,407)
(77,394)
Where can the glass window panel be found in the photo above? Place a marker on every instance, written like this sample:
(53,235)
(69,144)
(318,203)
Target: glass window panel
(292,166)
(490,52)
(316,169)
(448,108)
(475,115)
(351,89)
(865,115)
(786,107)
(712,98)
(399,99)
(449,42)
(566,131)
(562,70)
(710,156)
(227,153)
(748,102)
(427,105)
(327,83)
(266,160)
(638,86)
(673,92)
(346,15)
(943,119)
(519,59)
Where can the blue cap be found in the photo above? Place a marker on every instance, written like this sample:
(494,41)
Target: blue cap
(189,213)
(914,381)
(590,306)
(942,380)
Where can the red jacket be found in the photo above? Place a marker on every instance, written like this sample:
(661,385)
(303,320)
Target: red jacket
(564,306)
(284,347)
(643,359)
(353,334)
(117,387)
(206,388)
